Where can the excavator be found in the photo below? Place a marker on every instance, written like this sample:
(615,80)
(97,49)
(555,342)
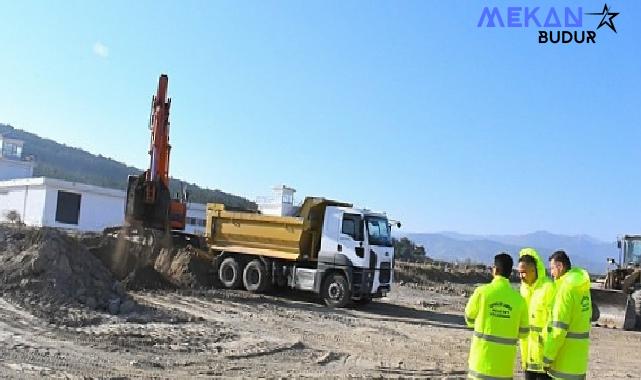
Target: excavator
(618,300)
(153,220)
(149,204)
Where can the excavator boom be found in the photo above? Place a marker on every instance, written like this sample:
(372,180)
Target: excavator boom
(159,125)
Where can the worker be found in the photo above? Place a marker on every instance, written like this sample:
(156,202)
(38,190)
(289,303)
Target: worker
(498,314)
(565,355)
(538,291)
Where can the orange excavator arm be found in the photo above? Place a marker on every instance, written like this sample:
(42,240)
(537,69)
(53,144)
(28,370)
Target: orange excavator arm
(159,124)
(149,203)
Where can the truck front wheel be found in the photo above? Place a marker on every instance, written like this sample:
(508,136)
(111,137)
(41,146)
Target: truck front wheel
(229,273)
(336,291)
(255,277)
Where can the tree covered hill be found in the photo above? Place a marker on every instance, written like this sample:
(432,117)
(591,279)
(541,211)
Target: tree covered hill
(60,161)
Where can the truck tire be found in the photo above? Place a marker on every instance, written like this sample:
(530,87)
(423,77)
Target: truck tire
(336,292)
(229,273)
(255,277)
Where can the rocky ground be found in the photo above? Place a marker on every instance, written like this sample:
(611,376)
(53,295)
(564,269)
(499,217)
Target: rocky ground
(213,333)
(51,326)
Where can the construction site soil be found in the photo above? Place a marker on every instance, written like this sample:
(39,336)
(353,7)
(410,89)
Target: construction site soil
(63,314)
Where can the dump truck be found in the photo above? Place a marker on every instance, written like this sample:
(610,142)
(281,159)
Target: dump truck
(342,253)
(618,299)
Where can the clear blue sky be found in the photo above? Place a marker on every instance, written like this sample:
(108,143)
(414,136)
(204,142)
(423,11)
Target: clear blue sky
(402,106)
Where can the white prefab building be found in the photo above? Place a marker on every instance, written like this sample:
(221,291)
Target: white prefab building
(195,220)
(280,203)
(56,203)
(12,165)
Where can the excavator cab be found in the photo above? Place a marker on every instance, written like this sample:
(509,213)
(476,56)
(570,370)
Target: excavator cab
(619,300)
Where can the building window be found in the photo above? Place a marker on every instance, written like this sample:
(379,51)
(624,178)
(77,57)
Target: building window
(288,199)
(11,150)
(195,222)
(68,207)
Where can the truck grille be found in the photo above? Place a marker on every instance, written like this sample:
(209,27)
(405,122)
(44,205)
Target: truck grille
(385,273)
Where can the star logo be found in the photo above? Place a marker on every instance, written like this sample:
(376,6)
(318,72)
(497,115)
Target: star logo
(607,18)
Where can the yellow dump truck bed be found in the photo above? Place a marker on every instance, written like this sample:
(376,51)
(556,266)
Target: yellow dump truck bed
(282,237)
(241,232)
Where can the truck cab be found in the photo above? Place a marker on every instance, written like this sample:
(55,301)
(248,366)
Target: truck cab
(357,244)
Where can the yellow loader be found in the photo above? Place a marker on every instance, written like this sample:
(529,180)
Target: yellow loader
(618,298)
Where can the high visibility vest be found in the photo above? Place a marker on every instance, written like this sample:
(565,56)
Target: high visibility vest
(567,346)
(539,298)
(499,317)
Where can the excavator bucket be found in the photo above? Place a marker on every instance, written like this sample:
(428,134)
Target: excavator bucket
(138,212)
(613,308)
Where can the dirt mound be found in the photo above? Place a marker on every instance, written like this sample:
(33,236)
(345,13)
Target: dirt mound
(146,278)
(427,274)
(46,271)
(185,268)
(120,255)
(141,266)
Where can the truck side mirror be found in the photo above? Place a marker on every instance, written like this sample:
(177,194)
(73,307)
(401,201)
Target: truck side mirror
(398,224)
(619,244)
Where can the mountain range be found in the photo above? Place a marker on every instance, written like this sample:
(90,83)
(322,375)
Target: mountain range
(584,251)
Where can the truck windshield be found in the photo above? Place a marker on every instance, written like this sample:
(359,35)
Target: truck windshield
(378,231)
(632,252)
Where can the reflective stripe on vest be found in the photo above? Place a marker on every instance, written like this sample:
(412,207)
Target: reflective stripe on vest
(573,335)
(486,377)
(536,329)
(566,376)
(495,339)
(534,367)
(560,325)
(524,330)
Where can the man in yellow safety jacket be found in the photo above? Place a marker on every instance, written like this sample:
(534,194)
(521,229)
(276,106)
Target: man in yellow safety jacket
(538,291)
(565,355)
(499,317)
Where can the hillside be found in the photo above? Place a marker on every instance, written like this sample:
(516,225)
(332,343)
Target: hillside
(57,160)
(584,251)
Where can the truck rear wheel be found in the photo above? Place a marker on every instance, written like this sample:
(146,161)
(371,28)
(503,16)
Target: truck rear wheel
(229,273)
(255,277)
(336,291)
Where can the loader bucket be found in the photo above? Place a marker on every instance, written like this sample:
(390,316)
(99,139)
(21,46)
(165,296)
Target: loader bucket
(614,309)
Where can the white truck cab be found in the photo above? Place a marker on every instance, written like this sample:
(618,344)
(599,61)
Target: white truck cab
(357,244)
